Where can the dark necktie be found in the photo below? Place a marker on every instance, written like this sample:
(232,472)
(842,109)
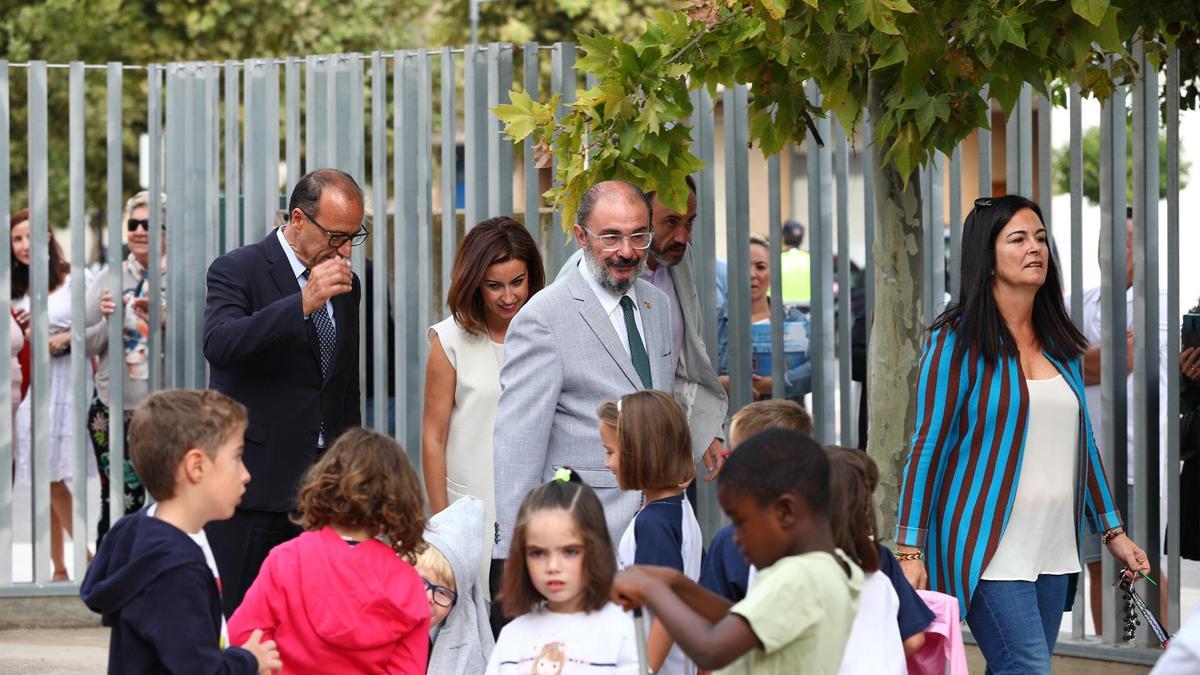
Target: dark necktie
(326,334)
(637,351)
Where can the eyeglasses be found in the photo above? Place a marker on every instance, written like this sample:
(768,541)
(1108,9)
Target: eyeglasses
(134,223)
(442,596)
(339,239)
(612,242)
(983,202)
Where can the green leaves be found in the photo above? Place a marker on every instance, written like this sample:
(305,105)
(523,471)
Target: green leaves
(1091,10)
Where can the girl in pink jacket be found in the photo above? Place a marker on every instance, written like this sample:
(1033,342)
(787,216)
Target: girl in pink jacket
(343,596)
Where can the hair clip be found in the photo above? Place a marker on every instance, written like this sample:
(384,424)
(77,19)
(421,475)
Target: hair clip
(563,474)
(983,202)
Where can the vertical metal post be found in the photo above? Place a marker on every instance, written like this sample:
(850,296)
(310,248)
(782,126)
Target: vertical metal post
(154,346)
(704,236)
(821,330)
(737,242)
(845,314)
(412,312)
(1146,373)
(563,82)
(1075,152)
(985,150)
(291,78)
(6,372)
(116,321)
(935,238)
(1019,145)
(314,123)
(401,224)
(379,242)
(212,178)
(475,147)
(500,149)
(775,230)
(1045,178)
(233,162)
(1112,302)
(255,151)
(421,89)
(270,164)
(173,158)
(79,361)
(868,164)
(449,160)
(956,222)
(39,292)
(1173,339)
(533,188)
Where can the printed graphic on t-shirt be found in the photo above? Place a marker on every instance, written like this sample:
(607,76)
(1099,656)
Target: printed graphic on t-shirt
(554,658)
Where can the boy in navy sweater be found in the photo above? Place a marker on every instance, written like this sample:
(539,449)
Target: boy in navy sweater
(725,571)
(150,581)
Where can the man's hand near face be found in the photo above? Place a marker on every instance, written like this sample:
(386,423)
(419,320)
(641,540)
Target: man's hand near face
(325,280)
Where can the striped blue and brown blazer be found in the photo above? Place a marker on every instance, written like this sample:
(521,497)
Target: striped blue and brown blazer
(961,477)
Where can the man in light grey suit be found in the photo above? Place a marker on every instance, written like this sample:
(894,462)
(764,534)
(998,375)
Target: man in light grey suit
(670,268)
(598,333)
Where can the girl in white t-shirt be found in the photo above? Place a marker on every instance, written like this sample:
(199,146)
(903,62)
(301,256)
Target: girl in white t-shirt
(649,448)
(557,582)
(875,645)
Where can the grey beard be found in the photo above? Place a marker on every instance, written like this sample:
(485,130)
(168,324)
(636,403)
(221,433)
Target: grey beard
(600,273)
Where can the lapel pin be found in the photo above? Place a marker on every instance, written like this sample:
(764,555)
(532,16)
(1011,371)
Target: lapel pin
(646,303)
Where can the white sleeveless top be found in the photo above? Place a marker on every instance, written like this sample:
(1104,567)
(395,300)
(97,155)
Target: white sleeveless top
(476,365)
(1040,535)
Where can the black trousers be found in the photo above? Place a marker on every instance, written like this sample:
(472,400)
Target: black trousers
(241,544)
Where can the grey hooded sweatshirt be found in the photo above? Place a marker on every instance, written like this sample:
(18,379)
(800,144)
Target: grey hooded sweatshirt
(465,641)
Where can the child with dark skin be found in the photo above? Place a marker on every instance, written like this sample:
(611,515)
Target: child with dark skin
(775,491)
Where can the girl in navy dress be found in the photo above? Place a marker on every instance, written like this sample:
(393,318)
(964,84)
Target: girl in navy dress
(648,448)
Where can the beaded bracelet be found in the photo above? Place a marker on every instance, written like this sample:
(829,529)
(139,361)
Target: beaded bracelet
(913,555)
(1110,535)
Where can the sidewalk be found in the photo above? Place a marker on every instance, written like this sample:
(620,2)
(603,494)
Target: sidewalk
(54,652)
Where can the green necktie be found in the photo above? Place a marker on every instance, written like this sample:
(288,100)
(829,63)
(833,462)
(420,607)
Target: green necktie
(637,351)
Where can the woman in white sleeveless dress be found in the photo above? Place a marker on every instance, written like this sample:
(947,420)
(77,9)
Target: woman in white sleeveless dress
(497,268)
(61,408)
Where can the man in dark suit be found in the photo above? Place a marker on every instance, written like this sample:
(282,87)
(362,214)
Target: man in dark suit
(281,337)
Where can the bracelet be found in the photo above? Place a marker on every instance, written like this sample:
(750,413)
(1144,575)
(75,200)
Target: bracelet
(1110,535)
(912,555)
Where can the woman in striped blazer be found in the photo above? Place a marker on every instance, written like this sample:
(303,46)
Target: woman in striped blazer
(1005,477)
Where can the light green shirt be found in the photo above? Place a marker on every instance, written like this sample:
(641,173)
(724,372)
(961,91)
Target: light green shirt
(801,609)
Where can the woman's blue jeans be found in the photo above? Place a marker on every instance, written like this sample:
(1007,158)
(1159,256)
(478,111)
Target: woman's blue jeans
(1015,623)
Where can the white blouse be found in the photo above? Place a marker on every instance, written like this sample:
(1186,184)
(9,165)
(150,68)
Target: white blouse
(1040,535)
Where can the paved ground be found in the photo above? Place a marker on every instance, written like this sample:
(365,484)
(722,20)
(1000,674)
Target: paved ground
(54,652)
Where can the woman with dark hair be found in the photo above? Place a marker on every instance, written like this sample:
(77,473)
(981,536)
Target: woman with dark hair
(61,407)
(998,489)
(497,268)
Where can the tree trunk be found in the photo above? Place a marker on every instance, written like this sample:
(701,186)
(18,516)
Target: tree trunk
(897,332)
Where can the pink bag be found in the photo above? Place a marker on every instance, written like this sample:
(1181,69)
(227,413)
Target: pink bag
(943,650)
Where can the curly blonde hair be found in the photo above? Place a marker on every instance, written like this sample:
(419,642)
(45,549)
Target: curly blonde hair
(366,480)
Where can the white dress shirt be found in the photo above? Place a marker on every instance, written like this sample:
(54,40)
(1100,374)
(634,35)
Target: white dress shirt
(611,302)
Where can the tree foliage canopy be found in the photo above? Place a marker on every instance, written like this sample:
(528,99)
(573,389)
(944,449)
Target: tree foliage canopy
(1090,147)
(929,59)
(144,32)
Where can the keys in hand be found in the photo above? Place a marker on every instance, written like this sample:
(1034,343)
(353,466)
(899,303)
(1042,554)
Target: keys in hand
(325,280)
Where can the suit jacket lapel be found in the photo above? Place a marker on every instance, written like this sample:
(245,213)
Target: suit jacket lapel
(597,320)
(287,284)
(652,327)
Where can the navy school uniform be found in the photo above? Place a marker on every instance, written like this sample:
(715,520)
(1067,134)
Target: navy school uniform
(150,583)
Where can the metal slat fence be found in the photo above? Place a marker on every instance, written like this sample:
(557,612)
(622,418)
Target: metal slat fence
(215,151)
